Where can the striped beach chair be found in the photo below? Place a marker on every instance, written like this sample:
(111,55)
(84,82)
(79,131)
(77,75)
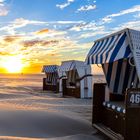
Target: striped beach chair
(51,81)
(119,55)
(76,79)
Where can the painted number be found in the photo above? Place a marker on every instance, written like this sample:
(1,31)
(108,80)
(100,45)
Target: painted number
(135,98)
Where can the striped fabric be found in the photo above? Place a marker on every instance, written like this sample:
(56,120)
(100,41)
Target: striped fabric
(51,78)
(70,65)
(51,74)
(109,49)
(72,75)
(114,106)
(50,68)
(70,69)
(114,52)
(120,75)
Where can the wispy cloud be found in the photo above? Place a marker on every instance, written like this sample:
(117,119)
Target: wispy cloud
(129,24)
(43,31)
(137,15)
(86,8)
(19,23)
(33,43)
(64,5)
(109,18)
(12,39)
(3,8)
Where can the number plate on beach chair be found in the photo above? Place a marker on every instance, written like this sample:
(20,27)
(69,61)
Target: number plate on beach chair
(133,98)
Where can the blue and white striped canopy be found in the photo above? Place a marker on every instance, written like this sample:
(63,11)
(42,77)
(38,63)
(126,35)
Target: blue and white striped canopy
(113,53)
(110,49)
(70,65)
(50,68)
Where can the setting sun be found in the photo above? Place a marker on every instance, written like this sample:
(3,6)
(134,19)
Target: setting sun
(13,65)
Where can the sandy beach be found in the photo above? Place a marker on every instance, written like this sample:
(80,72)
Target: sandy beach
(27,112)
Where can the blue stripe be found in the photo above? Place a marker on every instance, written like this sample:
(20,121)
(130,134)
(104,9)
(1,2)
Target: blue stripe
(109,72)
(133,77)
(127,52)
(96,50)
(91,51)
(117,48)
(107,53)
(137,83)
(106,41)
(119,66)
(93,48)
(112,38)
(126,77)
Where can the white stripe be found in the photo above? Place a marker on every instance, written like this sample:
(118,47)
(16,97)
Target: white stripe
(109,47)
(105,47)
(99,50)
(122,50)
(113,75)
(122,76)
(92,56)
(113,47)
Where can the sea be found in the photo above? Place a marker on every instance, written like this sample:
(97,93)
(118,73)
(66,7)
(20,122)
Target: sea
(34,81)
(21,80)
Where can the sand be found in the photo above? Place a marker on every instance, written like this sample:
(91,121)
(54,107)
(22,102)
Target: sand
(26,112)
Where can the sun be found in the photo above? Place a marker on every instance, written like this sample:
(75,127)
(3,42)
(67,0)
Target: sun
(13,65)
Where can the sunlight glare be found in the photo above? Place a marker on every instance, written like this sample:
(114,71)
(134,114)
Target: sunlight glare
(13,65)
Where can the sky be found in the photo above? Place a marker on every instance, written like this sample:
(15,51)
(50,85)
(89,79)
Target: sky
(34,33)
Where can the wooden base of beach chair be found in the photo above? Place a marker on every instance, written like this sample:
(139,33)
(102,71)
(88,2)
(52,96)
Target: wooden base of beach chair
(132,120)
(67,91)
(113,123)
(108,132)
(48,87)
(73,92)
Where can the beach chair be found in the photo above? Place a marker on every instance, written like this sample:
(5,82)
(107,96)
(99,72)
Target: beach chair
(51,82)
(116,103)
(76,79)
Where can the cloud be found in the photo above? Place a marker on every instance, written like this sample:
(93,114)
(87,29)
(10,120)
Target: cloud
(20,23)
(109,18)
(3,8)
(130,24)
(43,43)
(87,8)
(137,15)
(64,5)
(93,34)
(43,31)
(127,11)
(49,34)
(68,22)
(11,39)
(87,26)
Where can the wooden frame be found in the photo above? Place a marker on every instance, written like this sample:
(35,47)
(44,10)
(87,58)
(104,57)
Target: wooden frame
(49,87)
(114,124)
(70,91)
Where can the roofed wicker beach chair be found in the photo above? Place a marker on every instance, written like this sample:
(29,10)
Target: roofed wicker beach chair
(51,82)
(116,104)
(75,79)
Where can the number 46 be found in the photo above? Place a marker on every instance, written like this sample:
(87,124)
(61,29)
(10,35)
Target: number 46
(135,98)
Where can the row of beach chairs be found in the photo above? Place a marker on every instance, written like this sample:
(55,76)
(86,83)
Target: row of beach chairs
(116,103)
